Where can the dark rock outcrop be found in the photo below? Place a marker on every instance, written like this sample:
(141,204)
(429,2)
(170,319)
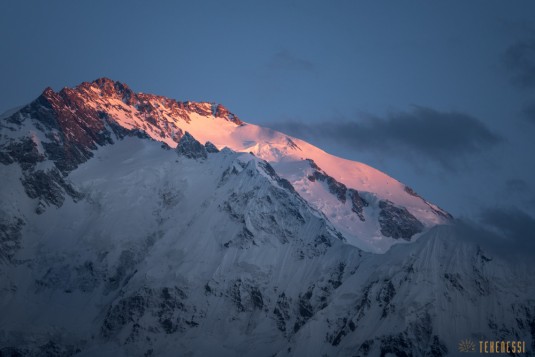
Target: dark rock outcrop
(396,222)
(224,113)
(49,187)
(189,147)
(340,190)
(10,237)
(211,148)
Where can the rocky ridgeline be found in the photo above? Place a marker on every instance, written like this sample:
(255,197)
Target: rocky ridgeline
(74,122)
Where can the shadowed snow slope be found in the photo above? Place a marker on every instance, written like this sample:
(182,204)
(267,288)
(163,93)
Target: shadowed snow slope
(123,234)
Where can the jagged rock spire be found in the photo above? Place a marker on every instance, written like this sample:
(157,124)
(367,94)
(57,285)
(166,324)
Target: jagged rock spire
(188,146)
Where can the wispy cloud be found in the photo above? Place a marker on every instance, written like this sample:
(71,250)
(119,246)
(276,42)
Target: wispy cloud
(520,60)
(285,60)
(445,138)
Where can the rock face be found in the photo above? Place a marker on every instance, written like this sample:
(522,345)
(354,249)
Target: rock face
(397,222)
(189,147)
(211,148)
(10,238)
(111,243)
(77,121)
(340,190)
(49,187)
(222,112)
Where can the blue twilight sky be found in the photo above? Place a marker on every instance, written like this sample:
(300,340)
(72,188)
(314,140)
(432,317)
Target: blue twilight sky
(440,95)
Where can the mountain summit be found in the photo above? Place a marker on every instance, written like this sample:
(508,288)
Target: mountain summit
(365,205)
(136,225)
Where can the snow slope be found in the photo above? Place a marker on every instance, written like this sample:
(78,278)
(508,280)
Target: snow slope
(219,256)
(167,120)
(115,243)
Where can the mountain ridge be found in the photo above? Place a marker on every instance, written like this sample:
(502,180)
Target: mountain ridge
(89,115)
(119,244)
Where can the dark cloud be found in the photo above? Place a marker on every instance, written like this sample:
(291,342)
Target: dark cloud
(529,113)
(515,226)
(520,60)
(505,233)
(516,186)
(446,138)
(284,60)
(531,203)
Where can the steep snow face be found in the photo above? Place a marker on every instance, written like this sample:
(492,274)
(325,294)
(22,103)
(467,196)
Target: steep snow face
(364,204)
(116,244)
(166,244)
(442,289)
(212,253)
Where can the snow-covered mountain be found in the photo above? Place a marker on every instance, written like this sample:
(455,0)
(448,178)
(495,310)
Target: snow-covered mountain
(133,224)
(372,210)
